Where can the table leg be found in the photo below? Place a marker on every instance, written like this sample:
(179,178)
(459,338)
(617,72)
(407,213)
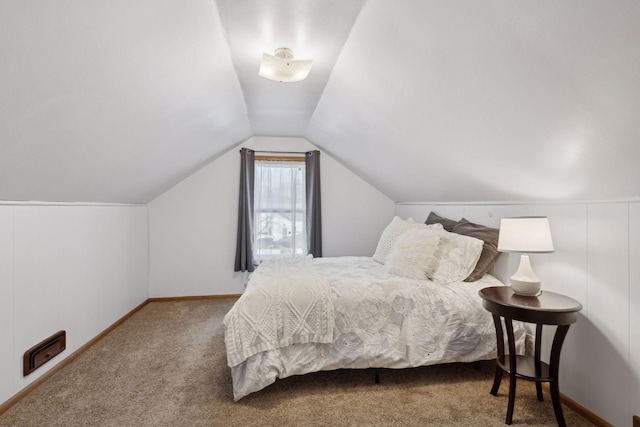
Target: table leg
(554,364)
(512,370)
(499,336)
(536,357)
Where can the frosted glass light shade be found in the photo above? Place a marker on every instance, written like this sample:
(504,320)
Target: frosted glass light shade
(525,234)
(281,67)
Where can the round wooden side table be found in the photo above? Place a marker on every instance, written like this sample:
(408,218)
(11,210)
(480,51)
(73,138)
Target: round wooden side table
(548,308)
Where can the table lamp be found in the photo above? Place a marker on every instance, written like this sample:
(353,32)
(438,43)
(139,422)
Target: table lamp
(525,235)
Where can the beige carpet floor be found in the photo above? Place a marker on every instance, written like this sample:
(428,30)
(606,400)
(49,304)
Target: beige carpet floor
(166,366)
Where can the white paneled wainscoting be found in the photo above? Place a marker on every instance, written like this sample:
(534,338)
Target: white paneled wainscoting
(71,267)
(596,261)
(80,268)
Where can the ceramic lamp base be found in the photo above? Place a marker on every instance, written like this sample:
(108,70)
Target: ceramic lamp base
(529,289)
(524,281)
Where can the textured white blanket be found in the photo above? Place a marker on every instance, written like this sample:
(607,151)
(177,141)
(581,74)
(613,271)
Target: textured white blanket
(286,302)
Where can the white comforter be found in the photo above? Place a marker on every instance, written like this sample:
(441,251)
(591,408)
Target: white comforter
(286,303)
(383,321)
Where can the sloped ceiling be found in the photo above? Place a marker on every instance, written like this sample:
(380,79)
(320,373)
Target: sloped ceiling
(112,101)
(311,29)
(426,100)
(489,100)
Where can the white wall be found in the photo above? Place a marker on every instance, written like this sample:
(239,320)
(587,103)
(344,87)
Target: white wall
(192,227)
(597,246)
(65,267)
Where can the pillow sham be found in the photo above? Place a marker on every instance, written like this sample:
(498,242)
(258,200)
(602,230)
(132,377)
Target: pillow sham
(434,218)
(489,253)
(412,254)
(396,227)
(457,256)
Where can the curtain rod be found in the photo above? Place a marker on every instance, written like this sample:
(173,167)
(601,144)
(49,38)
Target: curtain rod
(280,152)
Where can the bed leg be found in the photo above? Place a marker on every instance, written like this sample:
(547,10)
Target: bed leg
(377,374)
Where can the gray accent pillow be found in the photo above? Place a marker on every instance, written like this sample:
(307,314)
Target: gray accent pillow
(434,218)
(489,250)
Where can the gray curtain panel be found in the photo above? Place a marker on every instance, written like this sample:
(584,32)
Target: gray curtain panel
(314,218)
(244,245)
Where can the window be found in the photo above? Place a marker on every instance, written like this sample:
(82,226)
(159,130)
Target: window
(279,208)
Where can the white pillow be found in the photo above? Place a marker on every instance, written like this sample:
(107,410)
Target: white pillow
(396,227)
(412,254)
(457,256)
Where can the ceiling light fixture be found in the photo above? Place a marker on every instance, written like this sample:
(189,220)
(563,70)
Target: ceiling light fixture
(281,67)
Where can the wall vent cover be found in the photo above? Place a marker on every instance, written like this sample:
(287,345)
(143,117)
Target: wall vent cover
(44,351)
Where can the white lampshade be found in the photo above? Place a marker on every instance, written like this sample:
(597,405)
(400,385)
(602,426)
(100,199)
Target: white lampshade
(281,67)
(525,234)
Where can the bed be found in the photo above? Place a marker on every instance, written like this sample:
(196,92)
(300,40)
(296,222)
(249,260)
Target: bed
(305,315)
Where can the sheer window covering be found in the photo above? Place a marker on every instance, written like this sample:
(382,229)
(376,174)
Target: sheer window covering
(279,211)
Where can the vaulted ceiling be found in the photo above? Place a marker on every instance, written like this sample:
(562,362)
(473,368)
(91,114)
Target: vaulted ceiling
(427,100)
